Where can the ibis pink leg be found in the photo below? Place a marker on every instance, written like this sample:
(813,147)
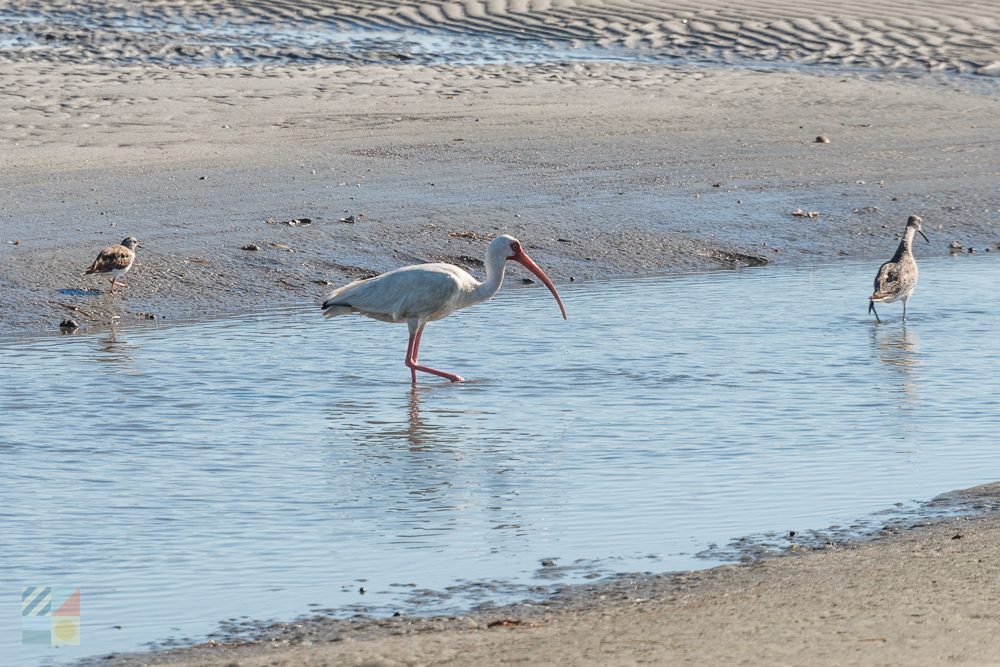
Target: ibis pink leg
(411,361)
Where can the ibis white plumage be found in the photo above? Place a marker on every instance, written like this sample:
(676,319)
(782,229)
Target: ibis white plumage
(426,292)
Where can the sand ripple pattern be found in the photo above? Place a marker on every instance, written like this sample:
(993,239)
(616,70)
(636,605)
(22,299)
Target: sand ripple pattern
(894,35)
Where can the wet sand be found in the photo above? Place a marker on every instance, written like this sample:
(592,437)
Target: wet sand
(602,170)
(912,595)
(891,35)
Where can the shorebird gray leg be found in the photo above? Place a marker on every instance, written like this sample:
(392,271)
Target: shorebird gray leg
(871,309)
(905,299)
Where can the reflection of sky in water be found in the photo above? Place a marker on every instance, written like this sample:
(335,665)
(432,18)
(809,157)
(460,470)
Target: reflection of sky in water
(187,474)
(424,46)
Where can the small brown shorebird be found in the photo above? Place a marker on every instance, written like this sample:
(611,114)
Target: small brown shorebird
(897,277)
(115,260)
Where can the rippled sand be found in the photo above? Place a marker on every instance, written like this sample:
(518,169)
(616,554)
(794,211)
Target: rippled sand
(890,35)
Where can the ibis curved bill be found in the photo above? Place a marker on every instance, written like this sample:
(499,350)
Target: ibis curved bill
(427,292)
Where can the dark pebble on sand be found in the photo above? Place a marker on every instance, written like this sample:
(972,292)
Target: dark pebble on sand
(527,281)
(327,283)
(349,220)
(251,247)
(69,325)
(203,178)
(822,140)
(398,613)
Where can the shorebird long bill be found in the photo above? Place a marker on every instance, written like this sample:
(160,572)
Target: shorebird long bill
(924,235)
(521,258)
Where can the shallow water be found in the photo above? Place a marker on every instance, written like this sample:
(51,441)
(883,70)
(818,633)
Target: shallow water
(150,35)
(259,34)
(269,466)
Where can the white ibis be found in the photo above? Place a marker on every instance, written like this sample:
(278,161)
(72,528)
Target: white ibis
(897,278)
(115,260)
(426,292)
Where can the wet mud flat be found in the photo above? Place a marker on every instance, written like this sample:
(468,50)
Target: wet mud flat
(913,584)
(600,169)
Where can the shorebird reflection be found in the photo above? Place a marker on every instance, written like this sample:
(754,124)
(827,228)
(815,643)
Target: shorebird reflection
(113,348)
(897,350)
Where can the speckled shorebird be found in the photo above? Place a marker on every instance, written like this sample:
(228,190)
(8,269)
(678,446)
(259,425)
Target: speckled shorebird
(115,260)
(897,277)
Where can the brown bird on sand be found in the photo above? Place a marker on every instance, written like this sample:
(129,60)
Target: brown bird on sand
(897,277)
(115,260)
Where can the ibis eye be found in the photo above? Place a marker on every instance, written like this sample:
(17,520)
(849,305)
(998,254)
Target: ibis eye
(515,247)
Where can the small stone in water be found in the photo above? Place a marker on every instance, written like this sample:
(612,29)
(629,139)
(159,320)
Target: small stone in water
(527,281)
(251,247)
(398,613)
(69,324)
(362,590)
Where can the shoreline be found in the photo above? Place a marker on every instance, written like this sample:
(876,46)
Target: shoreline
(602,170)
(697,615)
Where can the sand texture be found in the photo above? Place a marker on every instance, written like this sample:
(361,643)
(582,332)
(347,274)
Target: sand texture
(600,169)
(897,34)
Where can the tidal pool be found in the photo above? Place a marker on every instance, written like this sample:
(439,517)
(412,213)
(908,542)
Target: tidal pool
(272,465)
